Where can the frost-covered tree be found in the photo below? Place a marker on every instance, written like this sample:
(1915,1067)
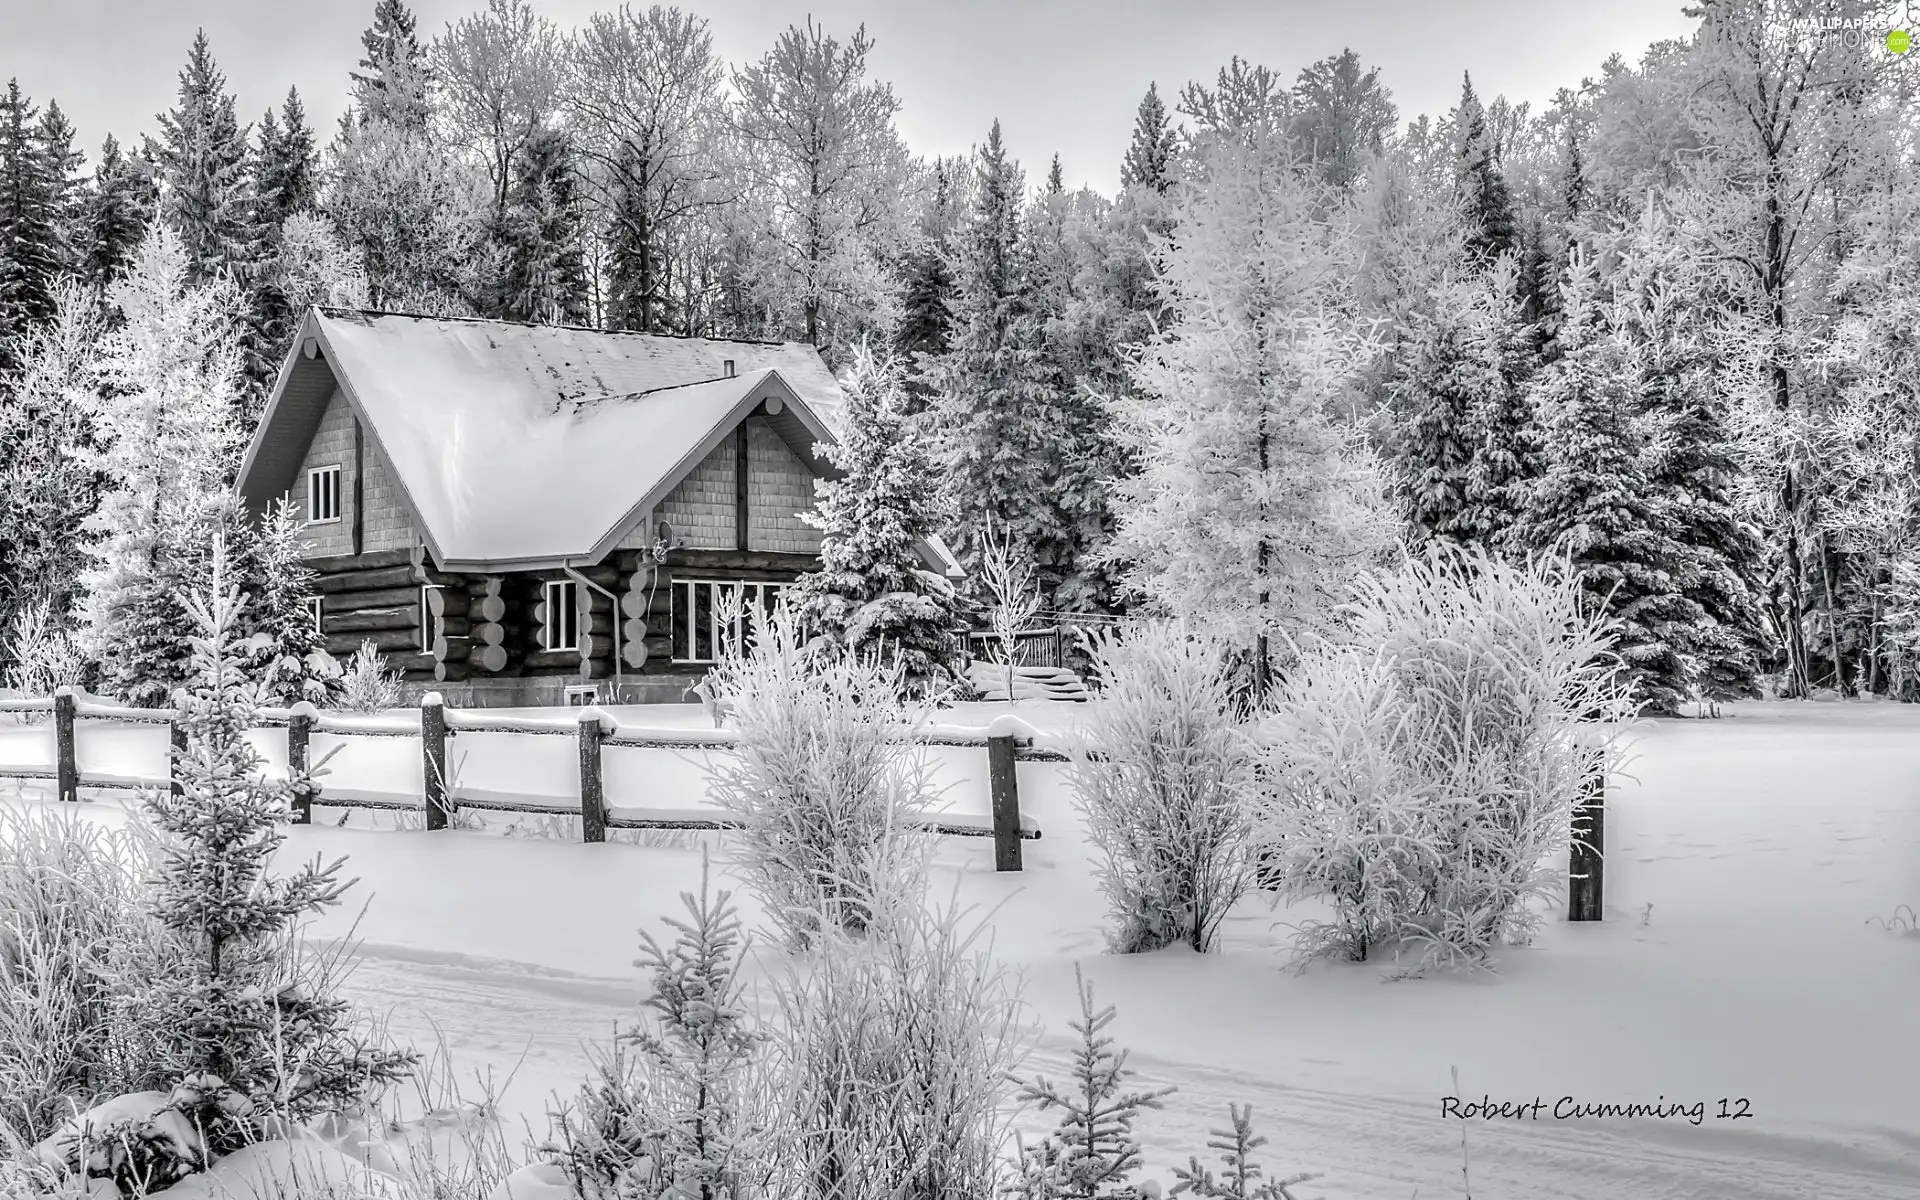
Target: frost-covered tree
(1442,374)
(543,271)
(251,1029)
(1593,501)
(283,652)
(646,106)
(828,172)
(412,213)
(498,78)
(166,443)
(1342,115)
(206,195)
(873,591)
(927,283)
(44,431)
(1092,1152)
(1253,500)
(67,185)
(1149,159)
(286,164)
(1487,206)
(391,85)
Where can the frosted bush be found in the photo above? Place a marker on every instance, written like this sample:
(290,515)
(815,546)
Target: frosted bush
(893,1050)
(41,653)
(368,685)
(823,783)
(1420,767)
(1165,779)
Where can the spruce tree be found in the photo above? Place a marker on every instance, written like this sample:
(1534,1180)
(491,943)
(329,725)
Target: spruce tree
(119,207)
(283,652)
(928,277)
(1593,501)
(1505,427)
(243,1018)
(67,187)
(1442,377)
(872,590)
(286,165)
(543,276)
(1486,204)
(1149,159)
(996,409)
(391,84)
(206,194)
(29,233)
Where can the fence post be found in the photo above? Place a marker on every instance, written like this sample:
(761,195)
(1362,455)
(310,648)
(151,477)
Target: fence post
(593,786)
(300,722)
(66,766)
(433,755)
(1005,783)
(1586,868)
(176,754)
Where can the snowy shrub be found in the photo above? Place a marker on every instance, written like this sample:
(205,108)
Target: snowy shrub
(823,783)
(368,685)
(893,1048)
(247,1012)
(686,1111)
(1013,597)
(72,918)
(1419,768)
(41,653)
(1164,778)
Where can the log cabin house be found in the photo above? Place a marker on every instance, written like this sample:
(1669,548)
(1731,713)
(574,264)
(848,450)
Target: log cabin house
(485,501)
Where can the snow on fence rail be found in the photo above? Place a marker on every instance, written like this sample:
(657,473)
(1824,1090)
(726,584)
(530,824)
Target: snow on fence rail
(1007,741)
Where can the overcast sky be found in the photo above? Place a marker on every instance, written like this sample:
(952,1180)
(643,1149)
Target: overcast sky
(1062,75)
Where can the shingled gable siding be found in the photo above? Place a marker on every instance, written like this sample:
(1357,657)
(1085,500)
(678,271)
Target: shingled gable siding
(387,525)
(779,488)
(701,508)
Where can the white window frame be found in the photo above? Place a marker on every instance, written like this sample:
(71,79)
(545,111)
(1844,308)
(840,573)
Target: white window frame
(689,642)
(324,483)
(561,618)
(317,605)
(583,695)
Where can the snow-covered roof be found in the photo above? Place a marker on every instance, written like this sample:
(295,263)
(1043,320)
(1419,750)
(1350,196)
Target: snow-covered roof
(525,445)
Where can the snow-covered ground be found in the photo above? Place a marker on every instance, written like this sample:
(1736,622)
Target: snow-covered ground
(1738,961)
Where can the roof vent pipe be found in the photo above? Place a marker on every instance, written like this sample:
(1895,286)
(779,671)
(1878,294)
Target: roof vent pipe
(726,369)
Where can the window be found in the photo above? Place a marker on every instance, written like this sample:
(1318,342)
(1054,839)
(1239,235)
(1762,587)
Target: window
(319,615)
(710,614)
(429,627)
(583,695)
(323,495)
(560,631)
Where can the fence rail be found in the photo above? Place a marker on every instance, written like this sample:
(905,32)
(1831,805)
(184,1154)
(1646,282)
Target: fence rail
(1007,741)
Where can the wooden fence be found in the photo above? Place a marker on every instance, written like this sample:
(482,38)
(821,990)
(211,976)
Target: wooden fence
(1031,647)
(593,729)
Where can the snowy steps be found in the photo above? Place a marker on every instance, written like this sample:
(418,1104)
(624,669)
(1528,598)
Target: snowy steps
(1029,683)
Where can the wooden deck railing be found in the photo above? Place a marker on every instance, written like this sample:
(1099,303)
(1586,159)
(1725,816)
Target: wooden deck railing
(1006,741)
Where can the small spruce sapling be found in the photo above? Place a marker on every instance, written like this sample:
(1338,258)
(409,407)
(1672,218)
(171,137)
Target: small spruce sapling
(1092,1151)
(368,685)
(1242,1177)
(254,1031)
(677,1114)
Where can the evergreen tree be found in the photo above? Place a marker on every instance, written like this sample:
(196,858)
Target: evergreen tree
(282,651)
(1486,205)
(286,166)
(1443,375)
(873,591)
(1092,1151)
(1341,117)
(1149,159)
(1593,502)
(241,1020)
(414,216)
(205,193)
(168,441)
(996,411)
(391,84)
(1506,433)
(67,187)
(29,234)
(119,206)
(544,275)
(928,276)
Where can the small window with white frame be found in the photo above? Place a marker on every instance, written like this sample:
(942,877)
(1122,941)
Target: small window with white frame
(561,630)
(316,606)
(711,614)
(583,695)
(323,495)
(429,625)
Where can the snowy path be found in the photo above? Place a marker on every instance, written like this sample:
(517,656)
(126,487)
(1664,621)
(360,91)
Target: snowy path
(1389,1148)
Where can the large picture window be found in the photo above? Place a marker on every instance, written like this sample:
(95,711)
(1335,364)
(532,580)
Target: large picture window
(711,614)
(561,629)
